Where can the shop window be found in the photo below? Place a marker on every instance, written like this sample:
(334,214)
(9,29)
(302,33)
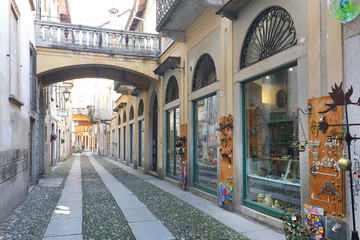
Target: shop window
(172,90)
(173,132)
(141,143)
(205,146)
(272,166)
(271,32)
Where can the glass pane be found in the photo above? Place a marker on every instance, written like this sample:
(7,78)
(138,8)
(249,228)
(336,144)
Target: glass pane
(131,144)
(177,128)
(142,142)
(206,149)
(272,123)
(124,142)
(170,144)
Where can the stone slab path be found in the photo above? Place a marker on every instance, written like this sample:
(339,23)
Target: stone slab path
(144,225)
(66,221)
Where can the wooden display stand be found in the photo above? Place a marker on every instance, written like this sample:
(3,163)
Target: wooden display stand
(226,150)
(326,179)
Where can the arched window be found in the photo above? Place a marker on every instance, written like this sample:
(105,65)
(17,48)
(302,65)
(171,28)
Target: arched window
(119,119)
(271,32)
(141,108)
(131,114)
(204,73)
(172,90)
(124,117)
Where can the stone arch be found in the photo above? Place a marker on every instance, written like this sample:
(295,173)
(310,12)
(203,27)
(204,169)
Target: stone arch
(172,90)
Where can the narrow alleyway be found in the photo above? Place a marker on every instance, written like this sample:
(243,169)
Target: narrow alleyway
(91,197)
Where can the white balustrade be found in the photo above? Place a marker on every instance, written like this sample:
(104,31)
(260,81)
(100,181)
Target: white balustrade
(87,38)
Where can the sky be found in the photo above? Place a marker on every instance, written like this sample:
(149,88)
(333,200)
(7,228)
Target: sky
(96,12)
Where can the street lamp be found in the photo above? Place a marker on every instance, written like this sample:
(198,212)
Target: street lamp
(66,94)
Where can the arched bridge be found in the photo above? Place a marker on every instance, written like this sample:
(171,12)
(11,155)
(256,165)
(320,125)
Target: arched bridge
(67,51)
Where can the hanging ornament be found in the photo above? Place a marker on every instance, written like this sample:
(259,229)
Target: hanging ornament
(343,10)
(344,164)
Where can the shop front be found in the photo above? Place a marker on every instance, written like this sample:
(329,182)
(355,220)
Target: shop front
(271,142)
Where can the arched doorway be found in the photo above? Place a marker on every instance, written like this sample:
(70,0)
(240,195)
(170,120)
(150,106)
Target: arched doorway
(153,133)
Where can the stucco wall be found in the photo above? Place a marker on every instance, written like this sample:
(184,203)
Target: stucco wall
(15,121)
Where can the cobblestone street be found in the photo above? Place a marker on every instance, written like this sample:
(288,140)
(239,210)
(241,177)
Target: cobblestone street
(119,203)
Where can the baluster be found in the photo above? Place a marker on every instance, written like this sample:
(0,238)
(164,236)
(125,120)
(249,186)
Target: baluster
(148,44)
(123,42)
(56,34)
(117,41)
(83,37)
(136,42)
(130,42)
(70,36)
(142,43)
(63,37)
(101,40)
(47,34)
(91,39)
(77,37)
(112,40)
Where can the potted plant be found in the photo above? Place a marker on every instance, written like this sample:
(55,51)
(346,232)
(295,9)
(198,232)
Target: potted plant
(52,137)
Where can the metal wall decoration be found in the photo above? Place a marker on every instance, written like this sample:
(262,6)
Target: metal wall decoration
(141,108)
(271,32)
(172,90)
(131,114)
(340,98)
(204,73)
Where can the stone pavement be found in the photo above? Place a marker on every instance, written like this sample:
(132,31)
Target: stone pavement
(105,199)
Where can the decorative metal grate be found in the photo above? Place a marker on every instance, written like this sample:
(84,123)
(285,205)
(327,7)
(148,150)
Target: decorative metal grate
(172,90)
(119,120)
(162,8)
(271,32)
(141,108)
(124,117)
(131,114)
(205,72)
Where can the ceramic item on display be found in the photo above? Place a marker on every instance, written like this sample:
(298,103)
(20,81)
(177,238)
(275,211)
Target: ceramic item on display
(276,205)
(261,198)
(268,201)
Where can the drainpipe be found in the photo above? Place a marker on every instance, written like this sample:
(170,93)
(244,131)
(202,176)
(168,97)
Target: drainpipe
(132,14)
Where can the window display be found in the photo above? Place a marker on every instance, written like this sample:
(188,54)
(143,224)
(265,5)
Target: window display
(173,157)
(272,131)
(206,143)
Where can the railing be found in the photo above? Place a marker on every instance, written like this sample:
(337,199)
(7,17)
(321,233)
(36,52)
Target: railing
(162,7)
(94,39)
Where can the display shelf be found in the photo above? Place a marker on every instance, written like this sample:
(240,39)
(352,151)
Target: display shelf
(275,159)
(286,182)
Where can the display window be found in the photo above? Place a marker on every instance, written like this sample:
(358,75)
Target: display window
(141,143)
(173,158)
(271,142)
(205,149)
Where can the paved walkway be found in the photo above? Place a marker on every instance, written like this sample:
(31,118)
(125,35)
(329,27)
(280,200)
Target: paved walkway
(66,221)
(142,222)
(248,228)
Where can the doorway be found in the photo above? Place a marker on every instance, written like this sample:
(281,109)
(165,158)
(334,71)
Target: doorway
(154,140)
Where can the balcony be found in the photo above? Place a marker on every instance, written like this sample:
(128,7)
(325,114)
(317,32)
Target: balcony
(94,39)
(173,17)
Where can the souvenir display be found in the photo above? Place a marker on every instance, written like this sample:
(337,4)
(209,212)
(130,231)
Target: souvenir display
(326,147)
(275,138)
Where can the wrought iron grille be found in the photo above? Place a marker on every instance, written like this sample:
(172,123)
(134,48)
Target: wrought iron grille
(119,120)
(172,90)
(162,7)
(124,117)
(271,32)
(131,114)
(204,73)
(141,108)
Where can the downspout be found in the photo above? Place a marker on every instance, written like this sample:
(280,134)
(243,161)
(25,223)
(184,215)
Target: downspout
(132,14)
